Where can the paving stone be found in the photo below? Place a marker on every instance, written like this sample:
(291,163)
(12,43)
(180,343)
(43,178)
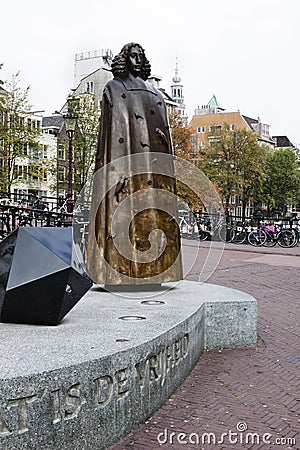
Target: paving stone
(262,384)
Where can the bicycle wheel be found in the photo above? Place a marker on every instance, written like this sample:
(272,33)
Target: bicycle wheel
(257,238)
(203,235)
(270,241)
(286,238)
(296,236)
(238,235)
(222,233)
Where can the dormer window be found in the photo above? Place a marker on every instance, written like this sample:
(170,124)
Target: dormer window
(89,87)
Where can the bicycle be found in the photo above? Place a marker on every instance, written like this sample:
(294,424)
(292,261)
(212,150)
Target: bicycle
(221,231)
(296,232)
(204,229)
(270,236)
(187,230)
(62,209)
(239,233)
(5,227)
(80,237)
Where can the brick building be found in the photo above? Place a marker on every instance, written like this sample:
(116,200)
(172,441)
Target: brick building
(212,117)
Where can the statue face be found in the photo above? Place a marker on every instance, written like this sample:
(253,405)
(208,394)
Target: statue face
(135,60)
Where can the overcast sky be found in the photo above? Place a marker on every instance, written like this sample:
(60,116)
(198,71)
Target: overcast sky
(246,53)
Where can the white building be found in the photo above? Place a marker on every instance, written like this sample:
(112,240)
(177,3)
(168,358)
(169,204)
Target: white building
(177,93)
(33,174)
(88,62)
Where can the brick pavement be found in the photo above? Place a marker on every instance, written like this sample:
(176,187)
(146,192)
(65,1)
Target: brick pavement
(277,250)
(259,387)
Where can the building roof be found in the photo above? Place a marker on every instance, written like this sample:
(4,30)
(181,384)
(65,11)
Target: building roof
(107,69)
(214,103)
(282,141)
(54,121)
(167,98)
(249,121)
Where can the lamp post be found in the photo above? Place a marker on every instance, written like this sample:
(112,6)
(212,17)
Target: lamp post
(70,123)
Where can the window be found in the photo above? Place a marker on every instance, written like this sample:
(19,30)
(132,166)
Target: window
(231,127)
(34,150)
(215,129)
(33,172)
(265,129)
(89,87)
(61,174)
(61,154)
(201,129)
(25,172)
(202,144)
(22,122)
(45,151)
(20,172)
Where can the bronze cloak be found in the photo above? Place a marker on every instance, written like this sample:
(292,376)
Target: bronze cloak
(134,168)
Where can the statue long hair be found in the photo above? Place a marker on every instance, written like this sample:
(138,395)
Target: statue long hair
(119,64)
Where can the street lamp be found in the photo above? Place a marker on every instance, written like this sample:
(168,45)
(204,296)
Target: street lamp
(70,120)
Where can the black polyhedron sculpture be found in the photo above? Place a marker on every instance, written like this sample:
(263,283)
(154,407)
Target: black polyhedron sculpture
(40,279)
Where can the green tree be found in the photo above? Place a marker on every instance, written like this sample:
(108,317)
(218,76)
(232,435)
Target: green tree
(84,142)
(86,139)
(234,161)
(282,184)
(2,115)
(1,84)
(18,133)
(181,135)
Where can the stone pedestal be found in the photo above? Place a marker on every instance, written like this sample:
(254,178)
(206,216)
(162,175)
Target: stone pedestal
(109,365)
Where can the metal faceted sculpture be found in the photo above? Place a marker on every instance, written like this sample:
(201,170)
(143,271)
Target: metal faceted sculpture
(134,129)
(40,279)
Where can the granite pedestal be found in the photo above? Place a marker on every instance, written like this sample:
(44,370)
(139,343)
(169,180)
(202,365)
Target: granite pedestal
(111,363)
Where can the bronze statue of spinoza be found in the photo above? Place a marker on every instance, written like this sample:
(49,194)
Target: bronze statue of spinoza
(141,199)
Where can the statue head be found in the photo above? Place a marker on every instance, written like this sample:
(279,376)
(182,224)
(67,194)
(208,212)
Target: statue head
(131,59)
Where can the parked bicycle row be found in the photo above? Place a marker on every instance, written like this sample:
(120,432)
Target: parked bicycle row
(266,234)
(283,233)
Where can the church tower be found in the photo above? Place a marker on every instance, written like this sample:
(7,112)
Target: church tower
(177,94)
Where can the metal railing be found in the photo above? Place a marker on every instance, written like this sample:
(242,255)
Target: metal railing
(29,210)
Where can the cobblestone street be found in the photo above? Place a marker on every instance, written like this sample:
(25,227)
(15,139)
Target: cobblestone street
(253,390)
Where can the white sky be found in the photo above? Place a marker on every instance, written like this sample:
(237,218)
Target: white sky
(246,53)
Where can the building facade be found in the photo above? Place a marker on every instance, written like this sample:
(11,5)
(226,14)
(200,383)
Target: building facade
(25,153)
(34,175)
(212,117)
(89,62)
